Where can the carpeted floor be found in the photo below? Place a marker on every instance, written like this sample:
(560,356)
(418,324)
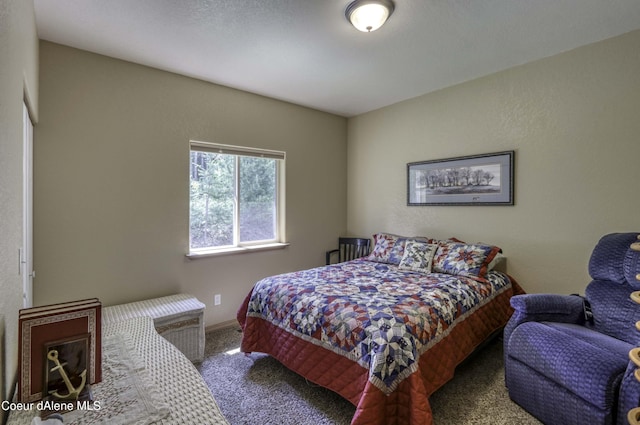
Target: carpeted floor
(256,389)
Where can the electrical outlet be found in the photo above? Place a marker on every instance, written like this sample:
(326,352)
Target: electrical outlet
(217,299)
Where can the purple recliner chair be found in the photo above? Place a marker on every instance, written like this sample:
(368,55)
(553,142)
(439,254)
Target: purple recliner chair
(567,357)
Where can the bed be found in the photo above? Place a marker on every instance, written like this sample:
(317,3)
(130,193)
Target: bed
(384,331)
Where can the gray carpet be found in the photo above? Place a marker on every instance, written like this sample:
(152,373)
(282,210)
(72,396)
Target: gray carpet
(256,389)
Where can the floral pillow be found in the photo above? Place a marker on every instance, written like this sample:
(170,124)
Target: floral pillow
(418,256)
(464,259)
(389,248)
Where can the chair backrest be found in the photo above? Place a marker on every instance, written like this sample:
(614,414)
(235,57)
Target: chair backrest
(615,268)
(352,248)
(615,261)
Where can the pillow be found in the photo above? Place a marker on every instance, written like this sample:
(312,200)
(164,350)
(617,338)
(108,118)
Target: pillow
(389,248)
(383,243)
(442,252)
(418,256)
(497,260)
(398,250)
(464,259)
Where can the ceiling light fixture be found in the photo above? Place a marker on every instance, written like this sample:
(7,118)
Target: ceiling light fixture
(369,15)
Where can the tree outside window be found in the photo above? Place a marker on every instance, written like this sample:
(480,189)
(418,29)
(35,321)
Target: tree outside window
(233,198)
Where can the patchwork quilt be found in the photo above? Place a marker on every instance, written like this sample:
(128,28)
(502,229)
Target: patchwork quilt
(369,330)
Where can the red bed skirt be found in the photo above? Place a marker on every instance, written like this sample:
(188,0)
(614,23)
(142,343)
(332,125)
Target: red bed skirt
(409,403)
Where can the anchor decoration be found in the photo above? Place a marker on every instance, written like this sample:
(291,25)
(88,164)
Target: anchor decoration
(73,392)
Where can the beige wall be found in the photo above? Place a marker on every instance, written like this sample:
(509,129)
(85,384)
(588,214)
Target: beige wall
(18,80)
(111,181)
(573,120)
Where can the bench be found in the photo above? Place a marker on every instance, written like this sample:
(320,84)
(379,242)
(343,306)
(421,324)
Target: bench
(145,379)
(178,318)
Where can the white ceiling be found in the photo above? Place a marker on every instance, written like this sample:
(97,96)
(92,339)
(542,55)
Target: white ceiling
(306,52)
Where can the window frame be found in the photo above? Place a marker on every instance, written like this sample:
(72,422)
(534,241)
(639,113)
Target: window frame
(239,247)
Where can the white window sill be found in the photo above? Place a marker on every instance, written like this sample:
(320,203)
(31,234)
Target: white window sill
(236,250)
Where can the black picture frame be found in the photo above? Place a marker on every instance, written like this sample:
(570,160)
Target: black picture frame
(486,179)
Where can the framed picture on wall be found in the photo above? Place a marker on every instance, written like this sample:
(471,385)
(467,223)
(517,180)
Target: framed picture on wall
(467,180)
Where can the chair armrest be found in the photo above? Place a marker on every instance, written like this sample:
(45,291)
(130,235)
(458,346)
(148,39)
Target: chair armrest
(545,308)
(328,255)
(549,307)
(629,393)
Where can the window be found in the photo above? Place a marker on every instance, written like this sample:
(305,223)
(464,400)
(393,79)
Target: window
(236,198)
